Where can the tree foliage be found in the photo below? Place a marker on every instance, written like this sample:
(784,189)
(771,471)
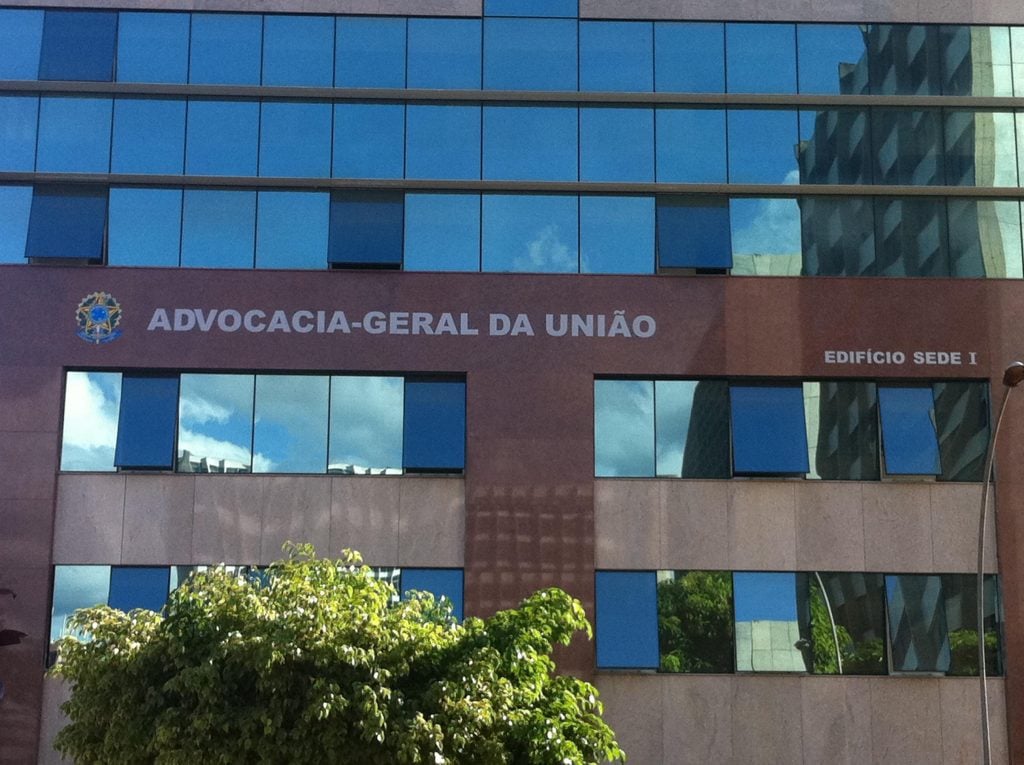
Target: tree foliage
(695,622)
(320,663)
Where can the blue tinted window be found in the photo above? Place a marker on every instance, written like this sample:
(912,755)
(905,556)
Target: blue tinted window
(434,430)
(76,587)
(911,237)
(530,233)
(694,233)
(221,443)
(74,135)
(290,430)
(218,229)
(222,137)
(760,58)
(18,117)
(369,140)
(291,229)
(966,133)
(366,425)
(762,146)
(145,227)
(138,587)
(147,422)
(295,139)
(765,236)
(616,55)
(909,441)
(905,59)
(442,232)
(768,433)
(908,146)
(21,36)
(78,45)
(530,143)
(691,145)
(226,48)
(832,58)
(443,142)
(152,47)
(558,8)
(689,58)
(767,630)
(439,582)
(67,222)
(918,630)
(530,54)
(617,235)
(444,53)
(366,228)
(298,50)
(835,146)
(627,620)
(624,428)
(15,204)
(616,144)
(149,136)
(370,53)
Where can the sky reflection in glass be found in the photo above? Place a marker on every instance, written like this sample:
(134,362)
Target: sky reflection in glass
(536,234)
(623,428)
(291,423)
(366,425)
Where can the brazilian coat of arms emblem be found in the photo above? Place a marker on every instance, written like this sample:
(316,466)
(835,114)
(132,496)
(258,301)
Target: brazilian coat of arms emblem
(97,317)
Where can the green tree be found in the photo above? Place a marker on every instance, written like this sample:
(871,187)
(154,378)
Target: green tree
(695,628)
(320,663)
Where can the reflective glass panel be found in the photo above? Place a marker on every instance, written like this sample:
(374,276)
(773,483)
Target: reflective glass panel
(907,146)
(442,232)
(369,141)
(537,234)
(146,422)
(962,426)
(616,235)
(760,58)
(558,8)
(918,635)
(18,118)
(985,238)
(616,55)
(765,236)
(691,145)
(298,50)
(530,54)
(444,53)
(980,148)
(842,622)
(832,59)
(616,144)
(215,416)
(366,425)
(295,139)
(1017,59)
(768,431)
(835,146)
(976,61)
(693,232)
(439,582)
(691,427)
(767,629)
(74,135)
(149,136)
(92,401)
(909,441)
(842,430)
(689,57)
(222,137)
(291,229)
(138,587)
(623,428)
(434,426)
(762,145)
(538,143)
(369,53)
(366,228)
(627,619)
(78,45)
(152,47)
(695,624)
(443,142)
(145,227)
(838,236)
(290,432)
(910,237)
(15,204)
(904,59)
(21,37)
(218,229)
(67,222)
(76,587)
(226,48)
(960,593)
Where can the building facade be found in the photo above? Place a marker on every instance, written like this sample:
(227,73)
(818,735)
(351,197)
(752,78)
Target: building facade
(698,311)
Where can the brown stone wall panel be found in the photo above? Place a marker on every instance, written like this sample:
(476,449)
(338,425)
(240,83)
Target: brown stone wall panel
(695,525)
(25,531)
(762,525)
(829,526)
(158,512)
(920,11)
(634,709)
(89,523)
(836,720)
(364,517)
(36,456)
(906,720)
(28,395)
(432,522)
(955,509)
(627,524)
(698,718)
(228,522)
(961,729)
(767,733)
(897,527)
(295,509)
(55,693)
